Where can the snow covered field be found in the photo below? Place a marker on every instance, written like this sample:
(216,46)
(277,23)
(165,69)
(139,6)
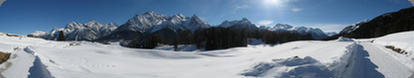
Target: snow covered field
(33,57)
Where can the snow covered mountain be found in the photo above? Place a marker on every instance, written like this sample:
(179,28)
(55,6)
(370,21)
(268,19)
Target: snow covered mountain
(38,34)
(239,24)
(151,22)
(382,25)
(78,32)
(143,22)
(147,23)
(315,32)
(331,33)
(352,28)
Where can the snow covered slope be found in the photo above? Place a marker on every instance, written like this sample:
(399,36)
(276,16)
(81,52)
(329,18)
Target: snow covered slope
(329,59)
(93,60)
(402,40)
(352,28)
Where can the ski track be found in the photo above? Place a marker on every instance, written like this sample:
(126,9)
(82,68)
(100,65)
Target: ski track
(38,70)
(390,67)
(359,65)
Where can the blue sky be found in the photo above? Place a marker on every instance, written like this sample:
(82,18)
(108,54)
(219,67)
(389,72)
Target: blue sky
(26,16)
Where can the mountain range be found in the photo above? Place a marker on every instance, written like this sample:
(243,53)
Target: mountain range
(150,22)
(315,32)
(81,32)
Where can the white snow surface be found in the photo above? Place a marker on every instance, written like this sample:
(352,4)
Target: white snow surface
(301,59)
(404,41)
(344,39)
(94,60)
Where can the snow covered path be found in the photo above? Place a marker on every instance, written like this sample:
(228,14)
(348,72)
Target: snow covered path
(387,65)
(359,64)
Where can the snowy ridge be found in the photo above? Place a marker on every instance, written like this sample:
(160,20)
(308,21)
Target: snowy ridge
(40,34)
(239,24)
(315,32)
(227,24)
(78,32)
(353,27)
(331,33)
(152,22)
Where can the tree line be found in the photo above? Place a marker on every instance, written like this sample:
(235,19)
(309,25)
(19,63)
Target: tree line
(212,38)
(215,38)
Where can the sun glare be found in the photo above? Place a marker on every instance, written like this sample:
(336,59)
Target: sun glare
(273,3)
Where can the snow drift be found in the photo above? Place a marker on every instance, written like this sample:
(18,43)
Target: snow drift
(294,67)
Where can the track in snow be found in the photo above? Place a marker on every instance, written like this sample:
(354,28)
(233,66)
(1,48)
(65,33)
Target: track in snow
(389,66)
(38,70)
(359,65)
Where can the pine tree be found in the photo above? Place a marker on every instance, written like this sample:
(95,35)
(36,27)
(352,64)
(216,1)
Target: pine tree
(61,36)
(152,41)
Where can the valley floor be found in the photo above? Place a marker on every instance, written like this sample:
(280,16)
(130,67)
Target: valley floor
(301,59)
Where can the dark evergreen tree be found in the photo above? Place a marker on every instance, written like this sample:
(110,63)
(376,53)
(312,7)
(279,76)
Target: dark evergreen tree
(147,42)
(185,37)
(153,41)
(61,36)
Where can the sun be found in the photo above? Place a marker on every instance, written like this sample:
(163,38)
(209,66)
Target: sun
(273,3)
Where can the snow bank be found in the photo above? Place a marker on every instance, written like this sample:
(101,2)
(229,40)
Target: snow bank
(358,64)
(2,34)
(403,40)
(344,39)
(18,65)
(308,67)
(294,67)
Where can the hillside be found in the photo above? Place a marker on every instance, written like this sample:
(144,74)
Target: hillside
(382,25)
